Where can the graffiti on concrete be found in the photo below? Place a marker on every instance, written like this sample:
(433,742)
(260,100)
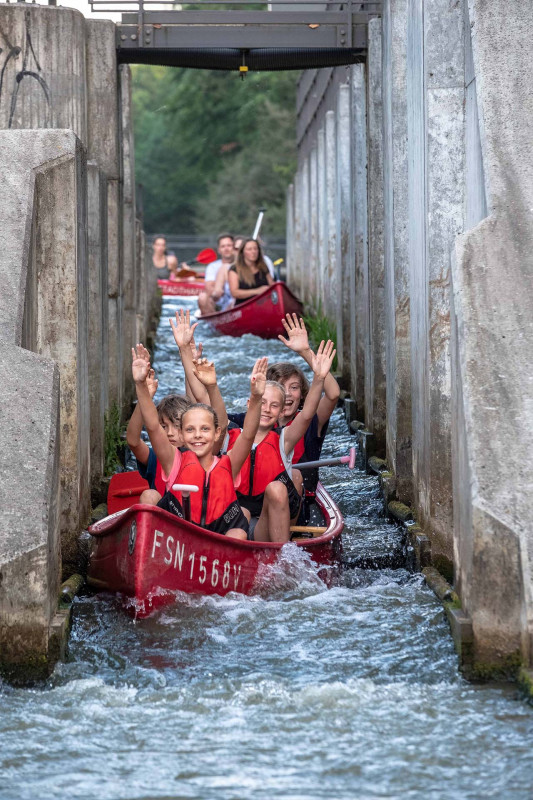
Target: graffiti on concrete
(30,67)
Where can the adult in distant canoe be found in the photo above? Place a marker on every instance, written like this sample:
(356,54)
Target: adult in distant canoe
(238,243)
(216,295)
(165,263)
(249,275)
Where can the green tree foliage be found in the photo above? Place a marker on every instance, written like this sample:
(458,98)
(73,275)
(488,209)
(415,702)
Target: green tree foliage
(211,149)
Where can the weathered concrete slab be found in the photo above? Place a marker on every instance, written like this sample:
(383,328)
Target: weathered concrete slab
(290,230)
(43,82)
(344,226)
(98,330)
(359,329)
(396,244)
(492,380)
(375,383)
(115,279)
(312,267)
(30,559)
(43,207)
(128,224)
(435,95)
(102,96)
(329,298)
(322,209)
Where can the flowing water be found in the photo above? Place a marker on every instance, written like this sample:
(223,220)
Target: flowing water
(304,693)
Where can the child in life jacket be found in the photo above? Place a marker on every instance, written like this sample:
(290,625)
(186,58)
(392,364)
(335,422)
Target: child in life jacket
(215,507)
(296,387)
(169,411)
(267,490)
(190,353)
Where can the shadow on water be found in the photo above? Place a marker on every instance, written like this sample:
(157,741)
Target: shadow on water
(298,693)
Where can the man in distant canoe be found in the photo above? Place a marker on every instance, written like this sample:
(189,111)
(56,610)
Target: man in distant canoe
(217,297)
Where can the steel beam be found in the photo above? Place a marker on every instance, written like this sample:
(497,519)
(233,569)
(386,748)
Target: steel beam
(240,37)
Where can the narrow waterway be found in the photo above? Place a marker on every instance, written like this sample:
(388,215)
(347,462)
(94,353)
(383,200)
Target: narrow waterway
(302,693)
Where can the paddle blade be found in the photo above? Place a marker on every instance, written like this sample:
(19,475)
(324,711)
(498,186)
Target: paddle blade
(125,488)
(206,256)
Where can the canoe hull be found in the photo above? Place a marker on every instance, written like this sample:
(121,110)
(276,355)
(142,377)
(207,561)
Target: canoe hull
(148,554)
(184,288)
(260,315)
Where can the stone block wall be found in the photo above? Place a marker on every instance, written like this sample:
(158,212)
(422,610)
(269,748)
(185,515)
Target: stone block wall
(72,257)
(424,263)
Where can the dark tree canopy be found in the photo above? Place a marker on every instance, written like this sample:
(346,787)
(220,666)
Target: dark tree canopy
(211,149)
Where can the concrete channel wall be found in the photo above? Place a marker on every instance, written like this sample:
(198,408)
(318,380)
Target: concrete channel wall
(71,253)
(424,264)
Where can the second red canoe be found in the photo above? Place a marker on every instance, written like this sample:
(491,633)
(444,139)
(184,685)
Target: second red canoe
(260,315)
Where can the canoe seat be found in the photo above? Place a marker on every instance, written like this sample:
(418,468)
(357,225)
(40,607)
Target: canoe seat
(306,531)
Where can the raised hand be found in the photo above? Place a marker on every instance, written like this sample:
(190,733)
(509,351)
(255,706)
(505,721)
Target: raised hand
(205,371)
(258,377)
(298,339)
(196,349)
(142,352)
(322,361)
(182,329)
(152,383)
(140,367)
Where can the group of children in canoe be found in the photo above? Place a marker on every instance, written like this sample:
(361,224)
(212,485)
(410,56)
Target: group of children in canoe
(241,464)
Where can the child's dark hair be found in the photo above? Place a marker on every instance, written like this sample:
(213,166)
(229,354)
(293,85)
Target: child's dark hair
(284,369)
(172,407)
(204,407)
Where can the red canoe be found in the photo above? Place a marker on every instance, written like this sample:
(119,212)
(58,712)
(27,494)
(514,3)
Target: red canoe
(260,315)
(187,287)
(147,554)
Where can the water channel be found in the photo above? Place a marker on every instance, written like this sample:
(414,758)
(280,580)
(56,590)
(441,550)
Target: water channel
(302,693)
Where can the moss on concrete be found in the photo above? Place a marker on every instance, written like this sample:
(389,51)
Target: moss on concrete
(444,566)
(525,682)
(506,669)
(378,465)
(400,511)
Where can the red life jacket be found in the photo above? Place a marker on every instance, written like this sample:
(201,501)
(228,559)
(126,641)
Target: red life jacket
(299,447)
(230,438)
(159,483)
(263,465)
(215,506)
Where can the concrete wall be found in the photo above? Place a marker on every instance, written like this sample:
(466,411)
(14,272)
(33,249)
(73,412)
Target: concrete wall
(72,260)
(492,278)
(435,101)
(425,233)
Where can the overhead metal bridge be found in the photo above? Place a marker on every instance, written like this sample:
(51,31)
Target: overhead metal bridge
(242,35)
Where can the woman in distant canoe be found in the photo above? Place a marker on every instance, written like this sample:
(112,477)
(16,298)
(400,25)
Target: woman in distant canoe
(165,263)
(249,275)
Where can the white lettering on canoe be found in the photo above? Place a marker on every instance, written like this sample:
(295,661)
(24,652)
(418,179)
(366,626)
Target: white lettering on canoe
(180,552)
(226,574)
(236,576)
(170,542)
(175,552)
(157,543)
(214,572)
(232,316)
(203,570)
